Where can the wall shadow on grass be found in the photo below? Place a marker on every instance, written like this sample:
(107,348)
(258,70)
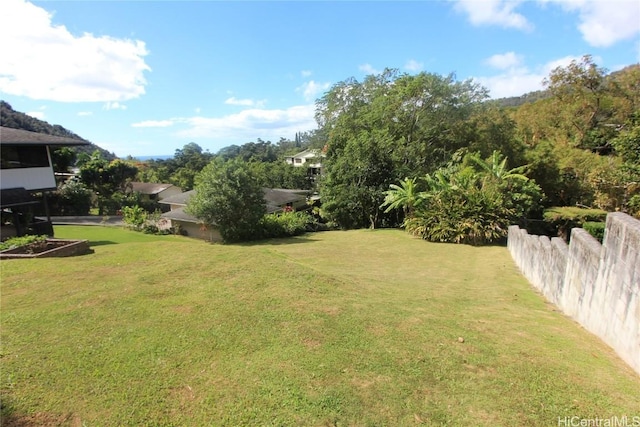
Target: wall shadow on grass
(93,243)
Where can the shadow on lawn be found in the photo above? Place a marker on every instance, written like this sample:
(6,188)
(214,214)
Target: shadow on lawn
(10,417)
(277,241)
(93,243)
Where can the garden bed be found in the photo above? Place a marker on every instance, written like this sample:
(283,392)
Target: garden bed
(47,249)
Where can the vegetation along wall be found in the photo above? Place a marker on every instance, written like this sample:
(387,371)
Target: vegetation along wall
(597,285)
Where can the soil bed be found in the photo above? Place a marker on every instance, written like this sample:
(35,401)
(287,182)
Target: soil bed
(48,248)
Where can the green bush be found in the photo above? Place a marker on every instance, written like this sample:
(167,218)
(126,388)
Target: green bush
(286,224)
(71,198)
(134,216)
(596,229)
(560,220)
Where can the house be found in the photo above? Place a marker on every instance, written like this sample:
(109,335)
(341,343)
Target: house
(155,192)
(310,158)
(26,176)
(276,200)
(184,223)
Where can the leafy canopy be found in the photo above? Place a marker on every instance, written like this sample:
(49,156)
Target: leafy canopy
(229,196)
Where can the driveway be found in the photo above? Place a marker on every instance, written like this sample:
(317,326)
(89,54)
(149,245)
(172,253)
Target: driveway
(115,220)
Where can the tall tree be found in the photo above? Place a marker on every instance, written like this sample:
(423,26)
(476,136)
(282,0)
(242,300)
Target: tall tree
(584,103)
(229,196)
(385,128)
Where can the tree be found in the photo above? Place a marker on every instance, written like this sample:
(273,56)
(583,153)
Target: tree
(385,128)
(229,196)
(106,179)
(63,159)
(354,183)
(585,104)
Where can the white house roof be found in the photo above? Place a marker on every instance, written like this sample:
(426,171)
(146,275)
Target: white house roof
(307,154)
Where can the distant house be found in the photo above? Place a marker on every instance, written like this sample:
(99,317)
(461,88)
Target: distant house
(310,158)
(185,223)
(26,175)
(155,192)
(276,200)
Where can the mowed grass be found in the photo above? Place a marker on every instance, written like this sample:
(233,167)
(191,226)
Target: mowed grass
(356,328)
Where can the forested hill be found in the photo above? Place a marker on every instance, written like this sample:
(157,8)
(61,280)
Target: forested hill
(17,120)
(516,101)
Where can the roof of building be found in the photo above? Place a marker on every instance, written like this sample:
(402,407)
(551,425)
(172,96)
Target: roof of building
(24,137)
(272,196)
(308,153)
(281,196)
(179,214)
(178,199)
(149,187)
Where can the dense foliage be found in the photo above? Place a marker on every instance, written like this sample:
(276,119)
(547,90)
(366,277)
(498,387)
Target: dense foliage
(424,151)
(109,181)
(229,196)
(576,143)
(473,201)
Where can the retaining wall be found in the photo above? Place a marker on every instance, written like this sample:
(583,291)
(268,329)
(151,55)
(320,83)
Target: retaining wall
(597,285)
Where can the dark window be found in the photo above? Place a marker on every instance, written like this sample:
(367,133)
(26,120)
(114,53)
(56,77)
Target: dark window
(14,157)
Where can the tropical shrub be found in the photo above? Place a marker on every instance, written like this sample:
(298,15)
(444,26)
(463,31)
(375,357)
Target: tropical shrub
(472,202)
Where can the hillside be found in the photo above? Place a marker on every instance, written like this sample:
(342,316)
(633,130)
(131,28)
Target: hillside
(18,120)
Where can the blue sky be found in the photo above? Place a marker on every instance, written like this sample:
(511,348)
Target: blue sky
(145,78)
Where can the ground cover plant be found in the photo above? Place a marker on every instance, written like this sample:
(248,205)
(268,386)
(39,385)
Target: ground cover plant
(337,328)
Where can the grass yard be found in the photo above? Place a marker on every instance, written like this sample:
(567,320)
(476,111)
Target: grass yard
(356,328)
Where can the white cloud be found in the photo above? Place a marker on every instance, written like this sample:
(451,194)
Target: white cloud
(604,23)
(250,124)
(311,89)
(244,102)
(413,65)
(85,113)
(43,60)
(36,114)
(368,69)
(153,124)
(517,79)
(305,73)
(504,61)
(493,12)
(115,105)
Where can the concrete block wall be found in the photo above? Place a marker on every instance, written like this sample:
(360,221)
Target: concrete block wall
(597,285)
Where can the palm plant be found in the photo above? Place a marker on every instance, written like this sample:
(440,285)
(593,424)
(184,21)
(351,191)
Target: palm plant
(495,167)
(405,196)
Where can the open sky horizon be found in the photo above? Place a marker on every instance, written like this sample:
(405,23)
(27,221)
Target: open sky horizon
(144,78)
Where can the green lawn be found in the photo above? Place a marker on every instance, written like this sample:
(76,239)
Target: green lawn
(357,328)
